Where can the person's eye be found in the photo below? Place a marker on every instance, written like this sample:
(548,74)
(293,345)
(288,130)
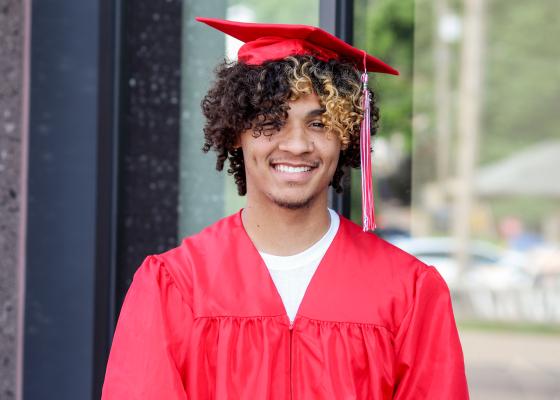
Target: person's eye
(317,124)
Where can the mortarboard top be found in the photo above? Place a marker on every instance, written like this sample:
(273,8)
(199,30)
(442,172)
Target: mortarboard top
(269,42)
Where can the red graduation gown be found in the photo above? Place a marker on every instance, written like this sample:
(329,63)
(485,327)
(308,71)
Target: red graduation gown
(204,321)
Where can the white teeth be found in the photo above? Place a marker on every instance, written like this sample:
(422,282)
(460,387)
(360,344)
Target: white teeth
(291,170)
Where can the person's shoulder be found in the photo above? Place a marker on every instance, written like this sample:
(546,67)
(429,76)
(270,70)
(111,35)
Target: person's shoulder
(400,272)
(390,274)
(218,231)
(381,254)
(209,236)
(180,260)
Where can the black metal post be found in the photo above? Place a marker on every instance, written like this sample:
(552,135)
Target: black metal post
(337,17)
(110,25)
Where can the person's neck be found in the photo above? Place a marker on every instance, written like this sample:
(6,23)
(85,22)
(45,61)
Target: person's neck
(284,232)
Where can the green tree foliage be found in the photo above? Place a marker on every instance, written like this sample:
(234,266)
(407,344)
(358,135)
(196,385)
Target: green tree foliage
(522,85)
(385,28)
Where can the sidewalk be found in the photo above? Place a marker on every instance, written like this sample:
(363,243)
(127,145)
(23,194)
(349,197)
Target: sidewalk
(510,365)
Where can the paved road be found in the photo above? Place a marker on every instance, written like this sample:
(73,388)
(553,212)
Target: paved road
(512,366)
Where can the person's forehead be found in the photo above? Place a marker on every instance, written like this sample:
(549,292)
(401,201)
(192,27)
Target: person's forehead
(305,104)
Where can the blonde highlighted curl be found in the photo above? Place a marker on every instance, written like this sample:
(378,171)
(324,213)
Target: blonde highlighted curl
(343,106)
(243,95)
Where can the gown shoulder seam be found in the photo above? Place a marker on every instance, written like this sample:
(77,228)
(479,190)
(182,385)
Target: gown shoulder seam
(170,278)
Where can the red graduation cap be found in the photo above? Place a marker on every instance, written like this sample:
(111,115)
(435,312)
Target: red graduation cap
(270,42)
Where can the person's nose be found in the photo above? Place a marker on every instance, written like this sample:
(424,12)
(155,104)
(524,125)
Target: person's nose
(296,140)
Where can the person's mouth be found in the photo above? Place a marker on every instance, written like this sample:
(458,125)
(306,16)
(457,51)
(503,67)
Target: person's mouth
(294,170)
(291,170)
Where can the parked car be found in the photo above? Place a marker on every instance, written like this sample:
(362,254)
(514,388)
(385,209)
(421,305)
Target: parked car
(489,266)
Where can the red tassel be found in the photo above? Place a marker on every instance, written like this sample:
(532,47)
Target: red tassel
(368,206)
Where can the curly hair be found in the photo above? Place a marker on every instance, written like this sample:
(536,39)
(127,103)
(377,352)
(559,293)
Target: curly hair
(244,94)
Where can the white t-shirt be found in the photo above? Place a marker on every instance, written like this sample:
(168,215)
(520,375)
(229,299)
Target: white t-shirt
(292,274)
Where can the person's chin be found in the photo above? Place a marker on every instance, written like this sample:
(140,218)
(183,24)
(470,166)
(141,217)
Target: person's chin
(293,203)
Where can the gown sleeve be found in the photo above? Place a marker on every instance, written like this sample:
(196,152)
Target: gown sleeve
(148,354)
(429,361)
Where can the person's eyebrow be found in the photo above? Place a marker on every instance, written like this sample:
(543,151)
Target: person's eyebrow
(316,112)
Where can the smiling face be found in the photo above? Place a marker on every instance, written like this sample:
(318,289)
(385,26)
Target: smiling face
(292,167)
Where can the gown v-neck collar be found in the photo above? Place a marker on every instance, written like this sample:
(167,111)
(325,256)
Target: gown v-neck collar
(256,265)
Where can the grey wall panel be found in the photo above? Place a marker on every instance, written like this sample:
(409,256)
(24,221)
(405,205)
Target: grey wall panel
(12,149)
(61,207)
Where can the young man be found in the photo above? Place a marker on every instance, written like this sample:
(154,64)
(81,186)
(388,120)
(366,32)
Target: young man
(286,299)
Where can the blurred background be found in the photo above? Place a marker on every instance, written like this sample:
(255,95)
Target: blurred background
(100,165)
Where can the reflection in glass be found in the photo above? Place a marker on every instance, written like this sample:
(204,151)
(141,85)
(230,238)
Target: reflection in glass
(481,156)
(478,94)
(483,145)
